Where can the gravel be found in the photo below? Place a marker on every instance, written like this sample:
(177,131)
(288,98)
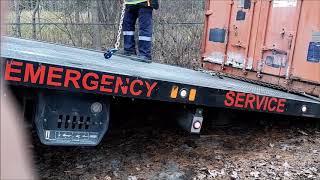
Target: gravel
(145,150)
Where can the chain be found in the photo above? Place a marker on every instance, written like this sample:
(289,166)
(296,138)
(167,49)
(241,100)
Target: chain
(117,44)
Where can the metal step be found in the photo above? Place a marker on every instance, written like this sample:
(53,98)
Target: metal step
(70,119)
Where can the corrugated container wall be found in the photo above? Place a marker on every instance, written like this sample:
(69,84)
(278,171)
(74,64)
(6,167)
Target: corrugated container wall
(273,41)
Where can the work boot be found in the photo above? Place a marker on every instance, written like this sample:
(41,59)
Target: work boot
(145,59)
(129,53)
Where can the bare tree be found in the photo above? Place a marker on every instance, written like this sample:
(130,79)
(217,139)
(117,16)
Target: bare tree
(96,28)
(18,18)
(77,20)
(34,27)
(39,21)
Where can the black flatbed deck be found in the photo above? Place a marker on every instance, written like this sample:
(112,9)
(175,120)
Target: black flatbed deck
(211,90)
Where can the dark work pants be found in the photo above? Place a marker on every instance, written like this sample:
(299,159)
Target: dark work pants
(144,14)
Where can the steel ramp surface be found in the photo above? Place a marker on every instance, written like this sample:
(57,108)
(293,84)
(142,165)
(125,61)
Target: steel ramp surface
(28,50)
(211,90)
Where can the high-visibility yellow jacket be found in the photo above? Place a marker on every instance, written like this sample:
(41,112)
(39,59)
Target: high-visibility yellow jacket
(134,1)
(150,3)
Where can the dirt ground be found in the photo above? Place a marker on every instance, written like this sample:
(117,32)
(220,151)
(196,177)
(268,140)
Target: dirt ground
(143,149)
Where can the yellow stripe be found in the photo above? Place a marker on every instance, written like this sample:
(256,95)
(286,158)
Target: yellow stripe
(174,91)
(192,95)
(135,2)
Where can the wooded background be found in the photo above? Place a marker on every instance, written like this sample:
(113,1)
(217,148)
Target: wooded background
(178,25)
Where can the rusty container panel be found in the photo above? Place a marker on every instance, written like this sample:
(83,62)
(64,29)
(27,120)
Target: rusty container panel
(273,41)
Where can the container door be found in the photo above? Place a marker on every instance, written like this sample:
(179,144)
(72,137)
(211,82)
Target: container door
(242,32)
(306,58)
(231,32)
(217,18)
(278,24)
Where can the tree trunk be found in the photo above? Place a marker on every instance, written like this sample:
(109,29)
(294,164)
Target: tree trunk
(96,28)
(18,18)
(77,20)
(34,26)
(39,21)
(31,4)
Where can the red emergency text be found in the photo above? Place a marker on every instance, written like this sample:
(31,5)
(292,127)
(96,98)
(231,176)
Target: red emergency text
(254,102)
(53,76)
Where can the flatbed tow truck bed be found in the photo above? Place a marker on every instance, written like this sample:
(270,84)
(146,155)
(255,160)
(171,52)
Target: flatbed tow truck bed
(211,90)
(51,66)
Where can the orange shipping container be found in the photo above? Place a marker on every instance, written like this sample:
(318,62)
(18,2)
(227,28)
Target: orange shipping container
(273,41)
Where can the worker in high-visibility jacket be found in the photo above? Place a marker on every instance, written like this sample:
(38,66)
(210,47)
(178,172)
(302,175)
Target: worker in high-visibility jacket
(142,10)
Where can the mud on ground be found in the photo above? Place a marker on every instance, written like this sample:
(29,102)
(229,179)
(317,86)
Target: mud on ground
(150,149)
